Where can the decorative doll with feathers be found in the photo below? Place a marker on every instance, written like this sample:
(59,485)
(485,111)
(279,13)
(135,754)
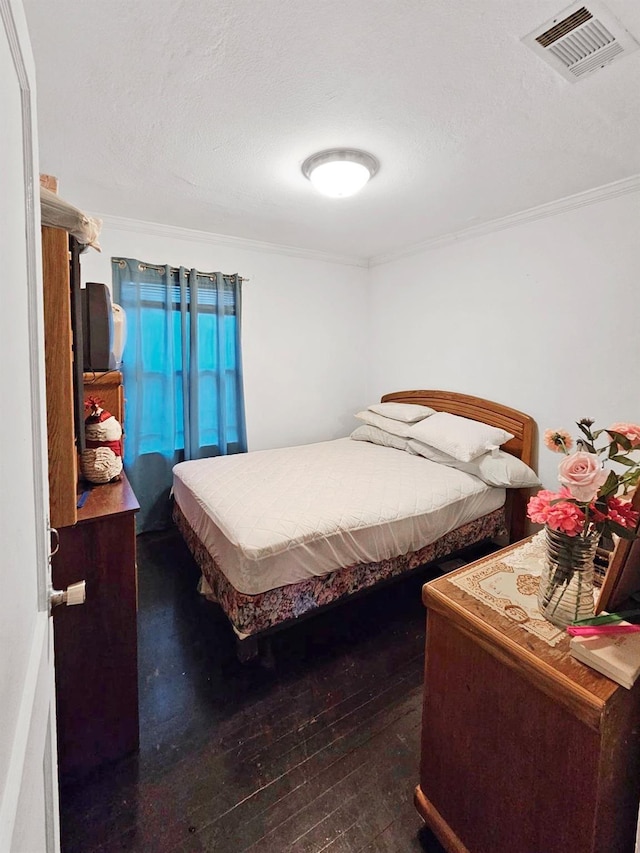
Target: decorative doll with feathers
(101,462)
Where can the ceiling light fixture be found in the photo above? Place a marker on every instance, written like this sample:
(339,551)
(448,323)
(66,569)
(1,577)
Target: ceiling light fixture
(340,172)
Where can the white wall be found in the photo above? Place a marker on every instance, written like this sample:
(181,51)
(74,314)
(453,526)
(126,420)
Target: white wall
(303,330)
(543,317)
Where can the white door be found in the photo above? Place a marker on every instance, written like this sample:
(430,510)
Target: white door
(28,787)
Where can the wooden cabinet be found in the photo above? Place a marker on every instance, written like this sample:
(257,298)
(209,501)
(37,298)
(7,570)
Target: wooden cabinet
(96,643)
(63,463)
(523,748)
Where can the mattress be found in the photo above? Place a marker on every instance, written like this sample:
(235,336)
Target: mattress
(275,517)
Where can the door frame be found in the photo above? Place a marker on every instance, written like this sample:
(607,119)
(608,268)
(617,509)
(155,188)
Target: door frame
(35,701)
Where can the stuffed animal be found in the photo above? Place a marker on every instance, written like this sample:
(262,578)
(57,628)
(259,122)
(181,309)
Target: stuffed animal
(101,462)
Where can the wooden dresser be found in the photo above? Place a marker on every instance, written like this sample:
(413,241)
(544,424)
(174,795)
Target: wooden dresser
(96,643)
(524,750)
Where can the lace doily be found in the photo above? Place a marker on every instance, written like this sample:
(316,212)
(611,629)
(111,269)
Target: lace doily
(509,585)
(528,555)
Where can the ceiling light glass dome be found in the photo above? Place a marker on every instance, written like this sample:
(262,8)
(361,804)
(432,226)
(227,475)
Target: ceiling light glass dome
(340,172)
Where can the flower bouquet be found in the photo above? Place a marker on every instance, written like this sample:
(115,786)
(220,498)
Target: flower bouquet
(591,506)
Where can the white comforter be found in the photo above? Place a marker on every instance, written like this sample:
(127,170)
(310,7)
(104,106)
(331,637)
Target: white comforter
(275,517)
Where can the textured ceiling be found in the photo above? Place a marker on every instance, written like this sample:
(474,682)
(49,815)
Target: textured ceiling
(199,113)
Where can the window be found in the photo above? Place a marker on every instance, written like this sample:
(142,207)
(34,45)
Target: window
(182,362)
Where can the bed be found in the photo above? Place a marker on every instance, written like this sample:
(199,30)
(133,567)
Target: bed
(279,534)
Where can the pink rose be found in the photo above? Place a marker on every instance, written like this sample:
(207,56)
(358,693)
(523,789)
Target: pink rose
(582,473)
(630,431)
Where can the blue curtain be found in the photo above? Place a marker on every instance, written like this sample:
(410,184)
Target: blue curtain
(182,370)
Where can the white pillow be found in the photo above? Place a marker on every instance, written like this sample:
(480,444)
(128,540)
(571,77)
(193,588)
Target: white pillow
(408,413)
(422,449)
(387,424)
(503,469)
(495,468)
(379,436)
(462,438)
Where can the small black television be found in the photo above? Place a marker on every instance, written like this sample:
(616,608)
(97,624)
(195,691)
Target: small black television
(97,328)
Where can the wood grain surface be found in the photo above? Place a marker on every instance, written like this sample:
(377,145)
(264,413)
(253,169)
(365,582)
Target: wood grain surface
(50,182)
(580,688)
(106,386)
(96,643)
(520,425)
(63,470)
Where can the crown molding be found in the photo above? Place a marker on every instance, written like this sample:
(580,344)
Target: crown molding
(176,232)
(553,208)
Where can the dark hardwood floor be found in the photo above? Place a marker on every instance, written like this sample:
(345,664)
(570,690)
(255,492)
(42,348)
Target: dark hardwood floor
(318,753)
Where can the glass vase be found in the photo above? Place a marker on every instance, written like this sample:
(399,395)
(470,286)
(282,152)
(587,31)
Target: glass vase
(566,583)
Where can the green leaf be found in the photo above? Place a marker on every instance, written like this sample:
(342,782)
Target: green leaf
(620,439)
(630,479)
(606,540)
(608,618)
(622,532)
(585,445)
(605,619)
(586,431)
(624,460)
(610,485)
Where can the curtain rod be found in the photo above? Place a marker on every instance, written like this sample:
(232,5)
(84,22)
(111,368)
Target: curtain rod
(121,263)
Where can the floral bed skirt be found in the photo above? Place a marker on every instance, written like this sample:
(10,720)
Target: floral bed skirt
(252,614)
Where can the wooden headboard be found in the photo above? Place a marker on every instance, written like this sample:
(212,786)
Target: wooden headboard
(521,426)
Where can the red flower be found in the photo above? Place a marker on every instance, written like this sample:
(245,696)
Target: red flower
(566,517)
(622,513)
(538,506)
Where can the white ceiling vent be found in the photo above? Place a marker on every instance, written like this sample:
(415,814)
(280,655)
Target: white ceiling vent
(580,40)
